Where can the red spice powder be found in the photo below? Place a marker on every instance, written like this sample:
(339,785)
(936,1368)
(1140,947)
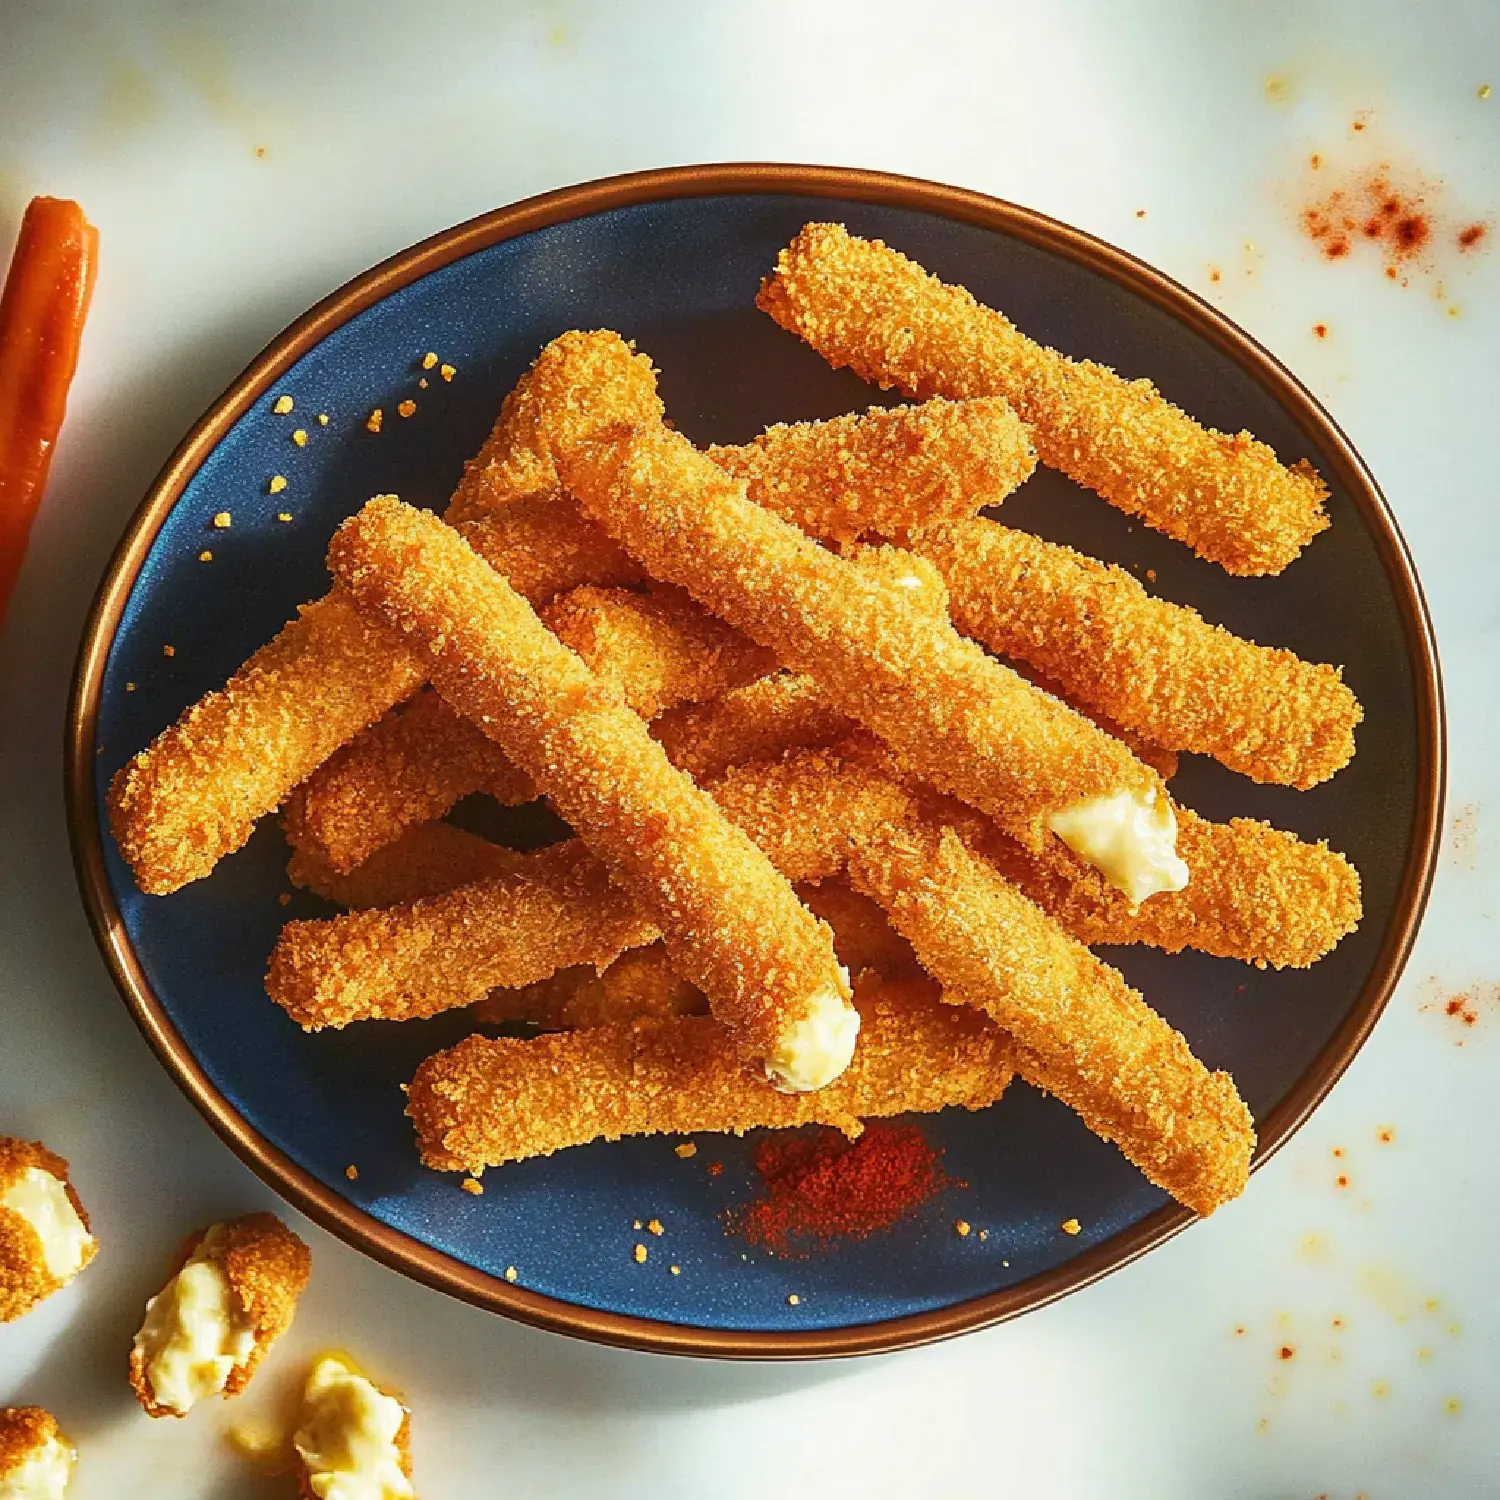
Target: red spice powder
(1374,208)
(821,1187)
(1472,235)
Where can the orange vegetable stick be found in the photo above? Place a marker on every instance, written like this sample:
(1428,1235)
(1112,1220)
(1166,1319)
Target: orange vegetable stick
(42,312)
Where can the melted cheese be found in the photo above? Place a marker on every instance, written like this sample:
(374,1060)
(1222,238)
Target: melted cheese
(194,1334)
(1131,838)
(42,1200)
(347,1436)
(813,1051)
(43,1475)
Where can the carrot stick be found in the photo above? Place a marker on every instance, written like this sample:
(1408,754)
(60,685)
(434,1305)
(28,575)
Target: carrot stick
(42,311)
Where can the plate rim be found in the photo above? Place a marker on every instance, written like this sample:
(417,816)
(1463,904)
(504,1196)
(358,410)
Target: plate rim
(402,1252)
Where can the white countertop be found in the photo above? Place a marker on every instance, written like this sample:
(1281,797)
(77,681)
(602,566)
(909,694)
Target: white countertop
(241,160)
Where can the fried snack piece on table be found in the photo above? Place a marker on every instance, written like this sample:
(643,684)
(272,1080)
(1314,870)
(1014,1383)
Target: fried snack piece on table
(36,1457)
(231,1296)
(732,923)
(352,1438)
(861,304)
(44,1232)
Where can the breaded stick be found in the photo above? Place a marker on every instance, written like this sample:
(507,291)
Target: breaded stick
(560,909)
(732,924)
(194,794)
(640,984)
(36,1456)
(655,649)
(353,1437)
(760,721)
(1155,667)
(892,470)
(489,1101)
(863,937)
(427,860)
(44,1232)
(953,714)
(231,1297)
(861,304)
(1080,1031)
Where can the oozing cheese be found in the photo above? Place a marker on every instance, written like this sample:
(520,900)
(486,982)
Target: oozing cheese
(43,1475)
(42,1200)
(816,1049)
(1130,837)
(347,1436)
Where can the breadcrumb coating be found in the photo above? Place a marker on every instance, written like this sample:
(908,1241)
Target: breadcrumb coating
(25,1431)
(640,984)
(24,1277)
(955,715)
(194,794)
(1155,667)
(863,936)
(411,767)
(888,471)
(266,1266)
(760,721)
(427,860)
(490,1101)
(544,547)
(732,923)
(1080,1031)
(560,909)
(861,304)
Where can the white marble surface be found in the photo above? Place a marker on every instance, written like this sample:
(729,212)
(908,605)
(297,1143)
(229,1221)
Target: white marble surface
(381,123)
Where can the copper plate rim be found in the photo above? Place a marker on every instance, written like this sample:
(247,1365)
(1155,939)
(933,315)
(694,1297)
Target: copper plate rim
(445,1273)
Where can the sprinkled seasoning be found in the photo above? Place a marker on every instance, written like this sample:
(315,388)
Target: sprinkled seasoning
(129,687)
(277,484)
(282,405)
(374,420)
(406,408)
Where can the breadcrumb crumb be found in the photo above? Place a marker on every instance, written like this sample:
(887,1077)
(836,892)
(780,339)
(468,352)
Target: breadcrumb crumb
(406,408)
(510,1273)
(352,1172)
(429,360)
(675,1270)
(472,1185)
(282,405)
(299,437)
(640,1255)
(322,419)
(373,421)
(277,484)
(285,898)
(962,1228)
(283,515)
(223,520)
(169,650)
(447,372)
(793,1299)
(654,1226)
(685,1150)
(205,556)
(1070,1226)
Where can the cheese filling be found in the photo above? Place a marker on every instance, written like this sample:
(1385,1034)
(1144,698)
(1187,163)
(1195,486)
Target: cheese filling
(347,1436)
(194,1334)
(44,1475)
(815,1050)
(42,1200)
(1131,838)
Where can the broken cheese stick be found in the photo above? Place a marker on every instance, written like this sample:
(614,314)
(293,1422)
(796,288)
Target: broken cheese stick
(1080,1031)
(861,304)
(953,715)
(732,923)
(489,1101)
(1158,668)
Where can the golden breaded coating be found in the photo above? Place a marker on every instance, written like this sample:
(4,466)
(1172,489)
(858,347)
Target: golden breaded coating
(544,547)
(1155,667)
(657,649)
(428,859)
(194,794)
(955,715)
(577,382)
(558,910)
(266,1267)
(25,1279)
(1080,1031)
(640,984)
(733,925)
(1257,893)
(861,304)
(411,767)
(863,937)
(490,1101)
(25,1433)
(892,470)
(760,721)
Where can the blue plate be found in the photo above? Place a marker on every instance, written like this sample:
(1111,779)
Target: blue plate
(672,260)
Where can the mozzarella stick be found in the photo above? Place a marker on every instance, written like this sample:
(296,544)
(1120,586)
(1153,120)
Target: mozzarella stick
(1080,1031)
(861,304)
(863,937)
(428,859)
(954,715)
(45,1239)
(892,470)
(640,984)
(490,1101)
(1157,668)
(655,649)
(194,794)
(732,923)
